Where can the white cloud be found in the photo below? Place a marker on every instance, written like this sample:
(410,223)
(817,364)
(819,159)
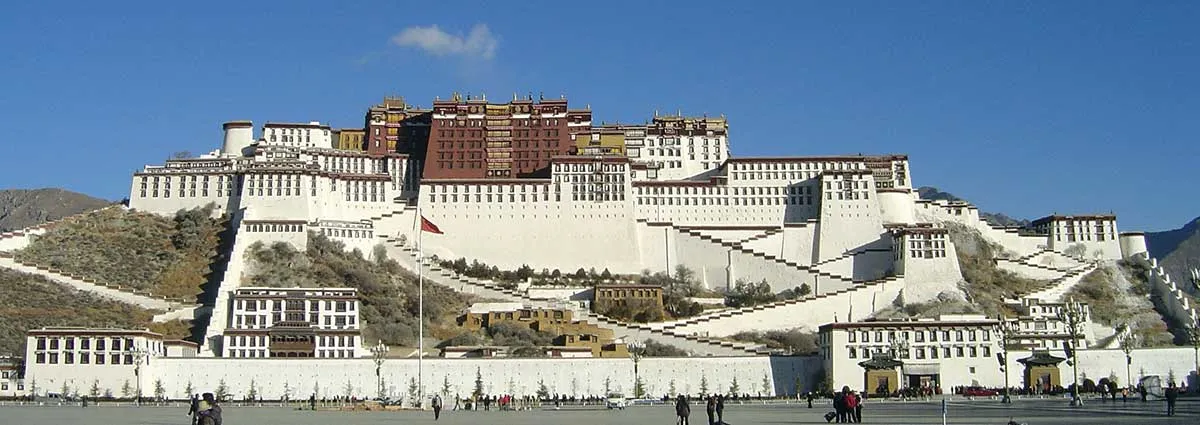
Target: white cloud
(479,43)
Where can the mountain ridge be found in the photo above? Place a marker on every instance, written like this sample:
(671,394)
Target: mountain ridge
(1178,251)
(21,208)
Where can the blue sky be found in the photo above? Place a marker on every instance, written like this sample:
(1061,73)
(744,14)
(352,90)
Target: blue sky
(1026,108)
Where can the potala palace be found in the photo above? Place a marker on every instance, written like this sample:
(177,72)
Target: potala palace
(538,183)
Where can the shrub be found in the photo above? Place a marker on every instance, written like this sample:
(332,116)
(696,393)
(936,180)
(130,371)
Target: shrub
(793,341)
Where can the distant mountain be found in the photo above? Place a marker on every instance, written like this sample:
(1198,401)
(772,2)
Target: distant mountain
(21,208)
(1178,250)
(932,193)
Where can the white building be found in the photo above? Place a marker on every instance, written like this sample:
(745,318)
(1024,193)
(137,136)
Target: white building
(954,350)
(73,358)
(294,323)
(297,135)
(1040,328)
(12,383)
(1086,236)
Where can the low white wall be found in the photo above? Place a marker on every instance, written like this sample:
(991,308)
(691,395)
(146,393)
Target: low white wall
(333,377)
(1028,271)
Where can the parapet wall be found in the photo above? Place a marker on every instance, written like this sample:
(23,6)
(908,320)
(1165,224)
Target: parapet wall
(329,378)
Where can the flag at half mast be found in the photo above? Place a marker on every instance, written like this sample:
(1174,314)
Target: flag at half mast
(428,226)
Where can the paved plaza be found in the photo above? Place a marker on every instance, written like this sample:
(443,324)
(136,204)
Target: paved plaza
(973,412)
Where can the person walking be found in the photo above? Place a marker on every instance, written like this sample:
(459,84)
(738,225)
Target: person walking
(682,410)
(437,407)
(194,408)
(721,409)
(710,407)
(1172,394)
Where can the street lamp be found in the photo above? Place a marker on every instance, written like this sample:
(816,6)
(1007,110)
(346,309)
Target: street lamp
(1005,330)
(1129,341)
(378,354)
(139,356)
(1073,315)
(636,351)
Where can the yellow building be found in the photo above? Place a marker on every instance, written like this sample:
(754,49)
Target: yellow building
(350,139)
(626,294)
(559,322)
(601,141)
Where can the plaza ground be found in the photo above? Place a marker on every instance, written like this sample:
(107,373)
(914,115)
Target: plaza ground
(1032,412)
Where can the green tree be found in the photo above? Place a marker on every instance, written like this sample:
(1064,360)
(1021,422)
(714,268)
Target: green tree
(108,395)
(446,389)
(94,392)
(412,391)
(749,294)
(348,389)
(543,392)
(607,385)
(160,392)
(189,390)
(287,391)
(478,392)
(252,394)
(222,391)
(703,384)
(671,388)
(65,390)
(766,385)
(734,388)
(639,388)
(797,384)
(126,389)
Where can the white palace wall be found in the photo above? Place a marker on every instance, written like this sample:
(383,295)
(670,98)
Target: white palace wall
(332,377)
(800,242)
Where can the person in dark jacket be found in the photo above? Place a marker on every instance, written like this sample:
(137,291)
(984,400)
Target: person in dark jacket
(810,398)
(211,414)
(857,408)
(839,406)
(194,408)
(710,408)
(1172,394)
(721,409)
(682,410)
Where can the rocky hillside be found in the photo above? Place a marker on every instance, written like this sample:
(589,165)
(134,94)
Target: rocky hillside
(21,208)
(170,257)
(932,193)
(1178,250)
(31,302)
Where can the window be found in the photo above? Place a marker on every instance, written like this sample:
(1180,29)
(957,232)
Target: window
(852,337)
(852,352)
(973,351)
(920,352)
(958,336)
(958,352)
(987,351)
(946,352)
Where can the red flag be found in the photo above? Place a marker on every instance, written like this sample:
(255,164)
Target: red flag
(428,226)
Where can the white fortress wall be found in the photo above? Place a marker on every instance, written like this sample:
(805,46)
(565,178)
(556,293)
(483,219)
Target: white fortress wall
(328,378)
(710,261)
(1132,243)
(232,279)
(800,242)
(529,223)
(1173,299)
(850,219)
(928,277)
(770,243)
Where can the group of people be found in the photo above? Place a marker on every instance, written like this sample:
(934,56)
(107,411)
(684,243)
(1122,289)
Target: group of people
(205,410)
(847,407)
(714,406)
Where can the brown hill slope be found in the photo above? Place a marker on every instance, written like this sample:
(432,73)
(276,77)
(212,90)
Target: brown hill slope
(21,208)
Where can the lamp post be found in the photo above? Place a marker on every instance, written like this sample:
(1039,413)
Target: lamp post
(378,354)
(1073,315)
(898,347)
(1129,341)
(139,356)
(636,351)
(1005,330)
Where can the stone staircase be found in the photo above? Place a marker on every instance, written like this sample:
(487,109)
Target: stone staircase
(760,236)
(1054,290)
(767,257)
(735,312)
(139,298)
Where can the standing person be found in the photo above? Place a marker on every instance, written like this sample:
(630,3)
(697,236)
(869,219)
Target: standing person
(721,409)
(711,408)
(1172,394)
(858,408)
(194,408)
(849,405)
(437,407)
(682,410)
(809,397)
(210,414)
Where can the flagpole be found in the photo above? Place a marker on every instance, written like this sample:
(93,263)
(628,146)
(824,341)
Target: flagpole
(420,308)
